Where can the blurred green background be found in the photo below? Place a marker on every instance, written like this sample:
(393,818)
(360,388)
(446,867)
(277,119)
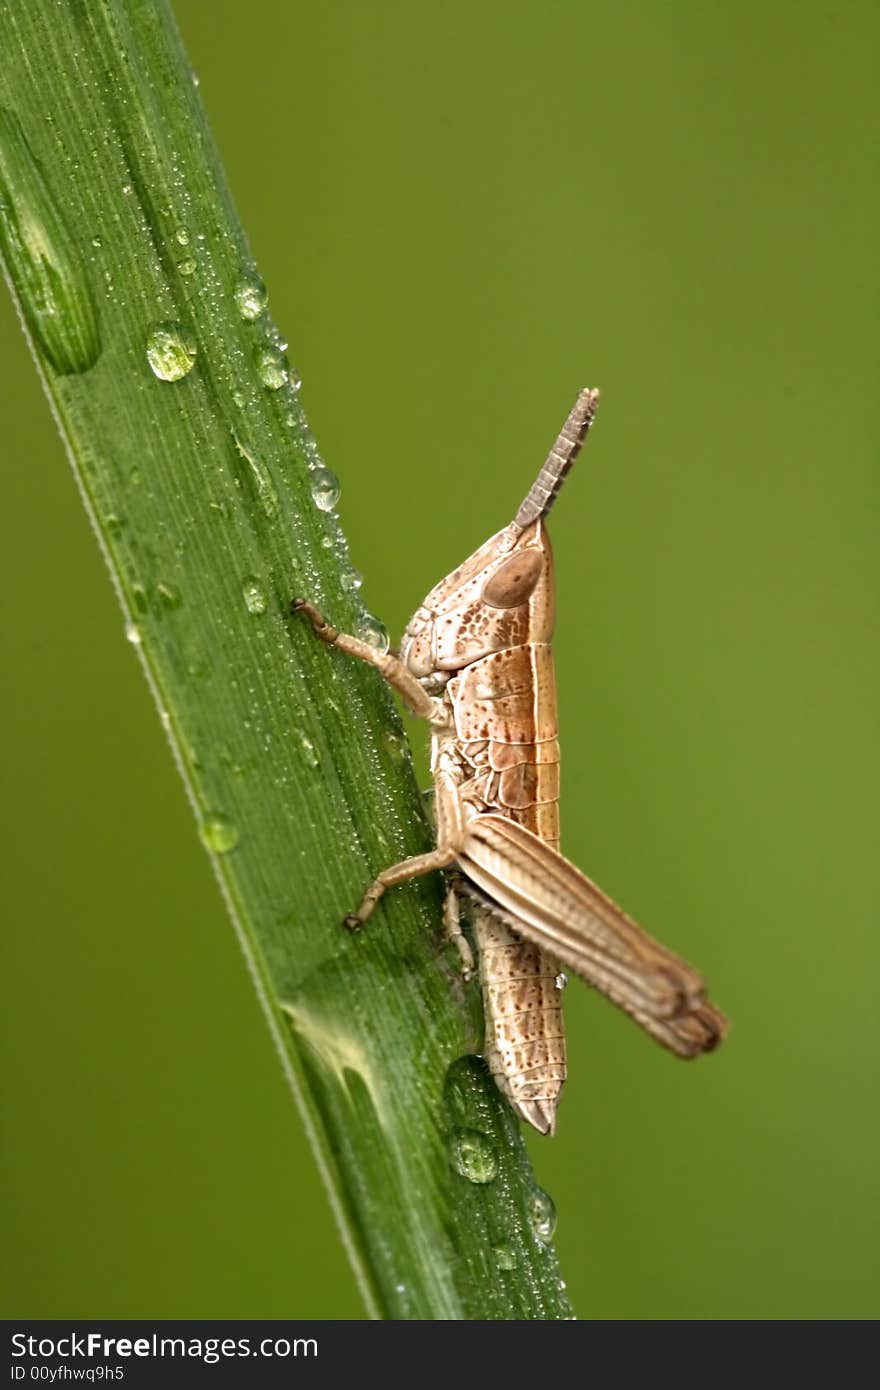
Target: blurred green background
(463,214)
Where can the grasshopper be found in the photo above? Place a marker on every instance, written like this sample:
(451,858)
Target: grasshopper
(476,662)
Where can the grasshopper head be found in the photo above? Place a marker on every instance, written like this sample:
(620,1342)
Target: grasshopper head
(502,596)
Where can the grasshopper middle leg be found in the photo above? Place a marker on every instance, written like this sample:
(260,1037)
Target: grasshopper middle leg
(407,869)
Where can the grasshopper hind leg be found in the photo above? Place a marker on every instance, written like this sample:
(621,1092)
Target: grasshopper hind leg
(452,927)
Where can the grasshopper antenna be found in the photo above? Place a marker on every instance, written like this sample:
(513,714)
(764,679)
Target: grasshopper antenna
(542,494)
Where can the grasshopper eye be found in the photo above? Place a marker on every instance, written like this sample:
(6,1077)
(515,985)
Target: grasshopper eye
(515,580)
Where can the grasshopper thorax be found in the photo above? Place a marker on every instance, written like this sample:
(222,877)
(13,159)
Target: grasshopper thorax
(500,597)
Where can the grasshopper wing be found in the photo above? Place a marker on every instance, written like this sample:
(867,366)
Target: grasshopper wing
(548,901)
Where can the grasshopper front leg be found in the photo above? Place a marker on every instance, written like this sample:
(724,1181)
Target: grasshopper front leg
(449,824)
(413,694)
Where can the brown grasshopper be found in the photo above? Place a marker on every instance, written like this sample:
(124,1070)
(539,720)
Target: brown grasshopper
(476,663)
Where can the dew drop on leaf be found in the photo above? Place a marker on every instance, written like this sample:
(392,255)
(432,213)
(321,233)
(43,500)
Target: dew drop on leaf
(250,297)
(272,367)
(374,633)
(171,351)
(254,595)
(219,834)
(325,488)
(473,1156)
(541,1212)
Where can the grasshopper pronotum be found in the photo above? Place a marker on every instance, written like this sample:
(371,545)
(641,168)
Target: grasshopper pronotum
(476,663)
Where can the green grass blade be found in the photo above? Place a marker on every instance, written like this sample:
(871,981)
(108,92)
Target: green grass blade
(212,507)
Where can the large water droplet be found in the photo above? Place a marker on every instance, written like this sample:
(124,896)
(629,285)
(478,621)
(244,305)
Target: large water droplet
(325,488)
(254,595)
(171,351)
(250,296)
(473,1156)
(271,367)
(43,258)
(505,1256)
(186,267)
(133,633)
(374,633)
(218,832)
(542,1215)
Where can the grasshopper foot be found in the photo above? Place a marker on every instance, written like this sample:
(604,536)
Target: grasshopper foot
(352,923)
(320,626)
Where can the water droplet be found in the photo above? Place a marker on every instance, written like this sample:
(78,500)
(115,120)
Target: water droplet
(113,522)
(374,633)
(542,1215)
(505,1256)
(218,832)
(254,595)
(473,1156)
(307,748)
(186,267)
(561,980)
(239,398)
(171,351)
(133,633)
(169,594)
(351,580)
(139,595)
(397,747)
(250,297)
(134,477)
(294,378)
(325,489)
(126,188)
(271,367)
(326,542)
(182,236)
(97,243)
(43,258)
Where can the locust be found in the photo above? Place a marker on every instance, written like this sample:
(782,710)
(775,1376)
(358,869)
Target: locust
(476,663)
